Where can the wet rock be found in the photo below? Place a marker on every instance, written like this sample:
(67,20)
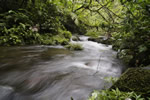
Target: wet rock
(147,67)
(6,93)
(93,39)
(18,96)
(134,79)
(75,38)
(101,39)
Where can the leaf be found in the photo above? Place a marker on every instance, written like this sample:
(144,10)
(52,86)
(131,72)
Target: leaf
(5,30)
(40,13)
(73,16)
(11,11)
(76,22)
(8,17)
(2,24)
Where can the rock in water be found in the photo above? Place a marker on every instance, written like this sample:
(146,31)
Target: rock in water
(101,39)
(6,93)
(75,38)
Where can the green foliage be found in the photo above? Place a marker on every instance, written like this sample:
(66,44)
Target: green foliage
(14,29)
(93,34)
(132,40)
(19,35)
(132,85)
(74,46)
(34,25)
(72,23)
(115,94)
(46,15)
(53,40)
(111,79)
(60,40)
(66,34)
(14,18)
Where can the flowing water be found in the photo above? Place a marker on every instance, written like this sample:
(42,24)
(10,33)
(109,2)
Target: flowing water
(54,73)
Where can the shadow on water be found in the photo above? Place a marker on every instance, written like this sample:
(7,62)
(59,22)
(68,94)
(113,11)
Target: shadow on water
(15,58)
(54,73)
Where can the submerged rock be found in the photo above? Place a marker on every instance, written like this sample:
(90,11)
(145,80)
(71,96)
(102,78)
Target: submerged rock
(134,79)
(6,93)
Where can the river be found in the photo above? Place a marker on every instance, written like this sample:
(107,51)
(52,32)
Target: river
(54,73)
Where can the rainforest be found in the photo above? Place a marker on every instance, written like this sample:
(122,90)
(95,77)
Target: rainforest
(75,49)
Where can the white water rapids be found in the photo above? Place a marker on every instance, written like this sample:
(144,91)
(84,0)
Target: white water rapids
(54,73)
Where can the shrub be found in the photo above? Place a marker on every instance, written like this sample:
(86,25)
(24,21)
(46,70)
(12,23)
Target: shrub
(18,35)
(14,18)
(22,27)
(58,39)
(115,94)
(67,34)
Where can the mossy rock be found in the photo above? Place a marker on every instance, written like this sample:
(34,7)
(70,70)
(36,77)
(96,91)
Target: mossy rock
(134,79)
(100,40)
(74,46)
(75,38)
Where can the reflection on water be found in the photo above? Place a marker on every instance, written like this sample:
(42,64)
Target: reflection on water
(54,73)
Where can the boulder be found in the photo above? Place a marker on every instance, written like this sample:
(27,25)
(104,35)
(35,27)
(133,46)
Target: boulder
(96,39)
(75,38)
(101,39)
(134,79)
(6,92)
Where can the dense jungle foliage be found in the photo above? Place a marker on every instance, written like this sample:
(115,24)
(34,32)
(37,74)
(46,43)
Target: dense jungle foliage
(132,39)
(25,22)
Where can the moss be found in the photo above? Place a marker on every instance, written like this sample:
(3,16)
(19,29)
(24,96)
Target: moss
(75,38)
(74,46)
(134,79)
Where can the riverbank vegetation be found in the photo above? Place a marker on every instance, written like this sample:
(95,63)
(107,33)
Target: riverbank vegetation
(28,22)
(74,46)
(124,23)
(115,94)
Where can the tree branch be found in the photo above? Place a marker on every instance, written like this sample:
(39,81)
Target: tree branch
(83,6)
(104,6)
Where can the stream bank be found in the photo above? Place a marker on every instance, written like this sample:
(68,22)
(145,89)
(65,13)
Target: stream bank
(134,79)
